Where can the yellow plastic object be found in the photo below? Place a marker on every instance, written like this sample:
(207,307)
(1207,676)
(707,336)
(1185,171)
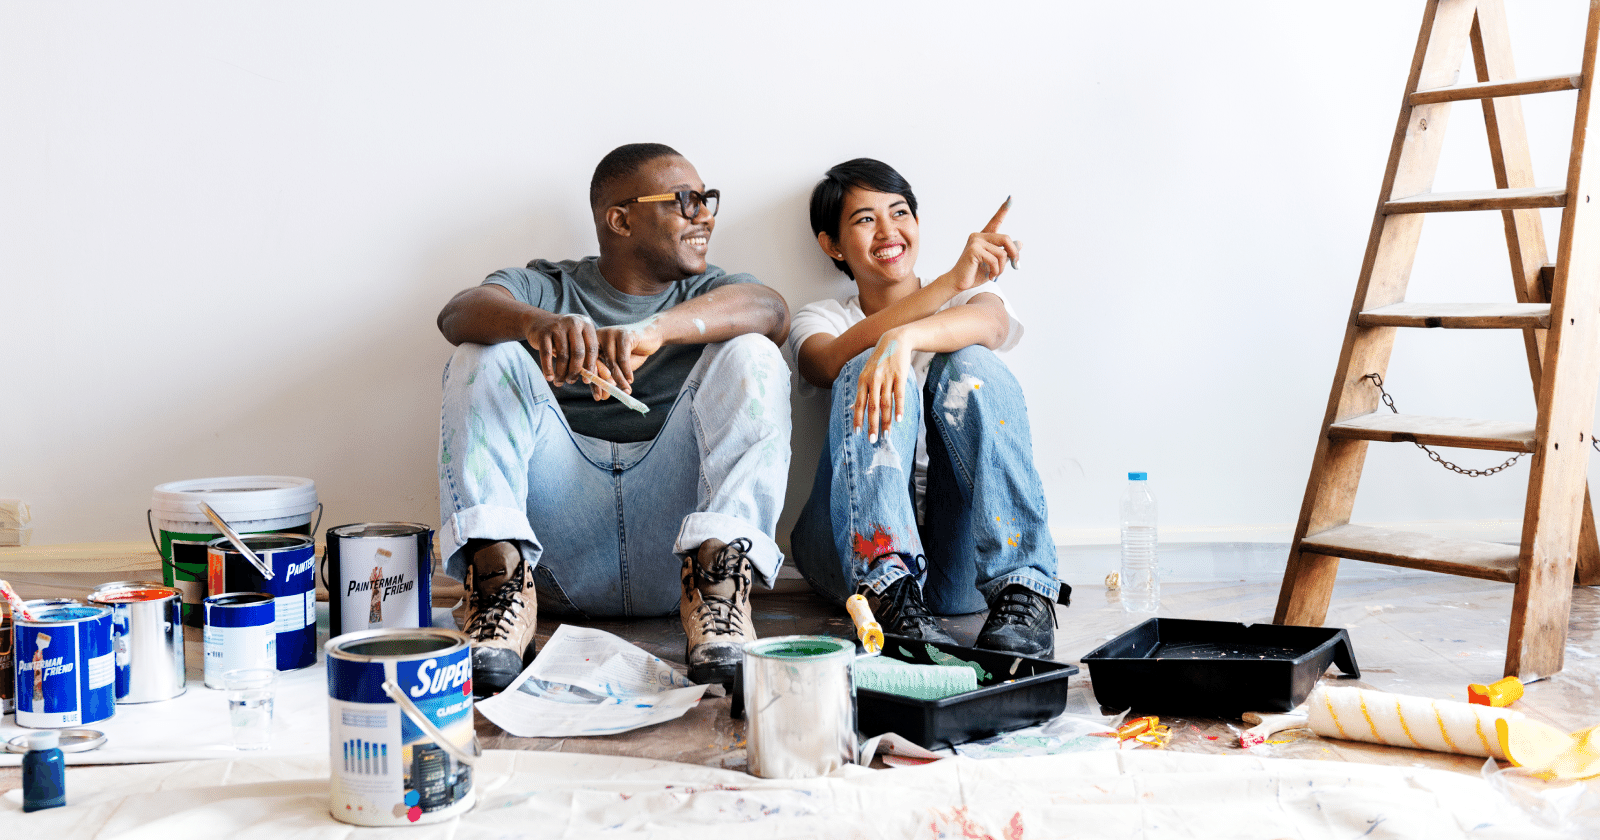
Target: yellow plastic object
(1548,752)
(1499,693)
(866,626)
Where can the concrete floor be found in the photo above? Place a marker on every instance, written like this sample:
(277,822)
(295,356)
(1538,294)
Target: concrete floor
(1413,632)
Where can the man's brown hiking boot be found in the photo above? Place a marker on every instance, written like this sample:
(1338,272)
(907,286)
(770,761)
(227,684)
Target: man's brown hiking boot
(715,608)
(501,613)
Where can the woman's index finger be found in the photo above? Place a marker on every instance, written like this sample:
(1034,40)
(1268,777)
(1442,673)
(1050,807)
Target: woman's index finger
(999,216)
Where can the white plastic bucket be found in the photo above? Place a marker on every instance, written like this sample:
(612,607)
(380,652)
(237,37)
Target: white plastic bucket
(252,504)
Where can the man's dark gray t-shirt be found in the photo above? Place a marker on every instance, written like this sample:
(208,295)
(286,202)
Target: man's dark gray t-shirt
(575,287)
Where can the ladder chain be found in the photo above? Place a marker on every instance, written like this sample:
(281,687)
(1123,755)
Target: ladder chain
(1470,473)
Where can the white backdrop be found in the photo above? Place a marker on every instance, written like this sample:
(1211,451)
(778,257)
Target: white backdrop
(227,227)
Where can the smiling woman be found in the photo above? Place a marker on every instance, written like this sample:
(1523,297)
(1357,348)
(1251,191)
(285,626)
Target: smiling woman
(942,512)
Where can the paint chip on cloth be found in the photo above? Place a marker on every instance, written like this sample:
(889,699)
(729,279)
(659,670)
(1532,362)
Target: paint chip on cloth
(1147,794)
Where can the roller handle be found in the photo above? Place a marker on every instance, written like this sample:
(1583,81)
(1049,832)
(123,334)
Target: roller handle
(866,627)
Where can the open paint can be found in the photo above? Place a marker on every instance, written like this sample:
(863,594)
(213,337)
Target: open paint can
(64,665)
(147,637)
(799,702)
(400,738)
(250,504)
(293,587)
(379,574)
(241,632)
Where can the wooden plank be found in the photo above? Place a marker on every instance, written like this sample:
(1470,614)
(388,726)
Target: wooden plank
(1385,271)
(1468,558)
(1487,90)
(1463,432)
(130,556)
(1457,202)
(1460,316)
(1558,478)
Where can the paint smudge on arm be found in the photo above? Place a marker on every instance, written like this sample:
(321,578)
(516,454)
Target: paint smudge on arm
(699,325)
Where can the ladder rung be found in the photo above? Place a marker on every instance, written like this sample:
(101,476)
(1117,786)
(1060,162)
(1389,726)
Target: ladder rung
(1518,199)
(1460,316)
(1490,90)
(1466,433)
(1471,558)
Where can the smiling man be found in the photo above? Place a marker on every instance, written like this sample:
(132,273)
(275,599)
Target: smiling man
(553,493)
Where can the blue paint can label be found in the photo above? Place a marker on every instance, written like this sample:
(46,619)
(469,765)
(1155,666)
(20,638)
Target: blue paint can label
(386,769)
(240,632)
(293,587)
(65,667)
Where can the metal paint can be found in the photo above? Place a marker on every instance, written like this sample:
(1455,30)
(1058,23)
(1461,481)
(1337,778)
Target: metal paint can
(379,574)
(241,632)
(8,676)
(147,636)
(799,702)
(251,504)
(387,769)
(64,665)
(293,587)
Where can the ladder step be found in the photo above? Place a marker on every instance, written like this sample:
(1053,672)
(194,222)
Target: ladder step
(1501,435)
(1490,90)
(1460,316)
(1469,558)
(1518,199)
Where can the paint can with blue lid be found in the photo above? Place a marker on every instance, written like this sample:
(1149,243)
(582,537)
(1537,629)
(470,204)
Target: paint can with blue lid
(400,735)
(241,632)
(293,587)
(65,669)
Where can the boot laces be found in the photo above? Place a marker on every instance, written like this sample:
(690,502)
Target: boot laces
(719,613)
(1021,605)
(497,610)
(902,602)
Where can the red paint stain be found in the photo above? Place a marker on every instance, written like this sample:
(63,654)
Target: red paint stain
(870,548)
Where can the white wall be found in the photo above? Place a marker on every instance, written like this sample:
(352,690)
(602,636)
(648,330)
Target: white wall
(227,227)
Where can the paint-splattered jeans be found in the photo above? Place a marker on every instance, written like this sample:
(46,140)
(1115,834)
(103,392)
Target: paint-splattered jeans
(602,523)
(985,523)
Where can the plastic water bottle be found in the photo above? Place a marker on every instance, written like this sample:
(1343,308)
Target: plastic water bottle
(1140,581)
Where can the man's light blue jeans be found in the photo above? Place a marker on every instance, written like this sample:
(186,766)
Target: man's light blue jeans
(603,525)
(985,524)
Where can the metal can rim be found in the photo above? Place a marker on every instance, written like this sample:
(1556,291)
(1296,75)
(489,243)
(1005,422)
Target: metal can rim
(335,647)
(409,529)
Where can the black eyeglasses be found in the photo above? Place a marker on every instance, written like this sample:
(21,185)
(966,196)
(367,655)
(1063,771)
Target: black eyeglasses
(689,201)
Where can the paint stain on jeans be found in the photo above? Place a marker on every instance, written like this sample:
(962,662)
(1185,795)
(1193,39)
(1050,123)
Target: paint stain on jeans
(956,395)
(868,547)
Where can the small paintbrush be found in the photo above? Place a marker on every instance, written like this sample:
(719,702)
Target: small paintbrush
(614,391)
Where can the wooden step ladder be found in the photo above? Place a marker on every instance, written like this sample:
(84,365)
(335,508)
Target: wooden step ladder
(1557,309)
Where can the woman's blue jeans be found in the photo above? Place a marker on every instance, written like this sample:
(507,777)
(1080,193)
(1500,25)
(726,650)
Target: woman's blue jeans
(984,525)
(603,524)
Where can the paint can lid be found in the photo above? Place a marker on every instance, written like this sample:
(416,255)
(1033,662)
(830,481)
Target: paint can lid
(1137,476)
(241,498)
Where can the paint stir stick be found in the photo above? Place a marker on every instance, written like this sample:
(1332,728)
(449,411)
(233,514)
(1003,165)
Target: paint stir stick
(614,391)
(238,542)
(11,596)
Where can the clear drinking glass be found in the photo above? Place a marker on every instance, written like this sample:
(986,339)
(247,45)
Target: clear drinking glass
(249,693)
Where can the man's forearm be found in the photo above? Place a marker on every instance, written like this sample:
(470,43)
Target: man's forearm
(482,315)
(724,313)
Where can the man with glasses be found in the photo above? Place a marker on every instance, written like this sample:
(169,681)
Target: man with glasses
(554,493)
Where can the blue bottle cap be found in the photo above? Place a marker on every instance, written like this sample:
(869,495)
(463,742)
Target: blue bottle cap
(1137,476)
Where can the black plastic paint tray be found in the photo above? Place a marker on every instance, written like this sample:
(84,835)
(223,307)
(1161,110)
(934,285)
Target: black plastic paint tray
(1218,668)
(1019,692)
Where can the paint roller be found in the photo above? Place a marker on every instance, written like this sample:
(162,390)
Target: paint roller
(875,672)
